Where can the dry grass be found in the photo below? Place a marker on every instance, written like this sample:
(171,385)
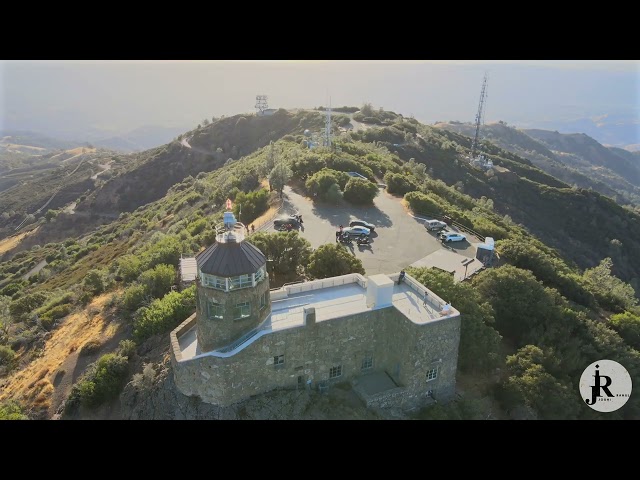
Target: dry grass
(265,217)
(30,385)
(9,243)
(18,146)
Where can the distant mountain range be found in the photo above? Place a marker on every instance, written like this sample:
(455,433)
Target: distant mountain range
(574,158)
(612,129)
(139,139)
(142,138)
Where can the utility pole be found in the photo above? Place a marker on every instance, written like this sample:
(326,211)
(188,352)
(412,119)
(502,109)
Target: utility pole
(327,128)
(479,116)
(466,265)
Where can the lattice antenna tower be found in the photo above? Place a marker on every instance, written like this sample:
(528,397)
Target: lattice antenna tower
(261,104)
(479,116)
(327,126)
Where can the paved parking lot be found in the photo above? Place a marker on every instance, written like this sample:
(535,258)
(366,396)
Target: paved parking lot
(399,239)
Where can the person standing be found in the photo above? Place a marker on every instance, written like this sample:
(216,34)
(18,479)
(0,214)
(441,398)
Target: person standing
(426,297)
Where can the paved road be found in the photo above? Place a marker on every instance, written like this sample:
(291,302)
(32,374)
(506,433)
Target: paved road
(185,143)
(398,241)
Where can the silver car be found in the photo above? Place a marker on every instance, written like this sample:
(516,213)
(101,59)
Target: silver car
(447,237)
(356,231)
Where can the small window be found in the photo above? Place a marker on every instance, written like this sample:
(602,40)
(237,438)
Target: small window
(263,300)
(278,360)
(242,281)
(260,274)
(219,283)
(241,310)
(215,310)
(367,362)
(432,374)
(335,372)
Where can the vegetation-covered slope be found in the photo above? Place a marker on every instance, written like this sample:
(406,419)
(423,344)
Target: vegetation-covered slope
(555,307)
(575,164)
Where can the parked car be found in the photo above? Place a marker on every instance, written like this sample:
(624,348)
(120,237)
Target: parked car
(434,225)
(284,220)
(356,231)
(447,237)
(362,223)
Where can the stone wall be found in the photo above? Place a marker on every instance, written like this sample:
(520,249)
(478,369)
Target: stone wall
(405,350)
(215,333)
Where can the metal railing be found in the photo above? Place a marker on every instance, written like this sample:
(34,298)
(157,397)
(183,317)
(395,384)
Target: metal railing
(243,339)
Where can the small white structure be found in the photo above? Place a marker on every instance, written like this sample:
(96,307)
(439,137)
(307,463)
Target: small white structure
(188,271)
(379,291)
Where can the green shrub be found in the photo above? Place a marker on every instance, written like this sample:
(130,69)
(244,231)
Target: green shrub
(126,348)
(133,297)
(422,204)
(129,267)
(360,191)
(12,288)
(95,281)
(319,183)
(164,314)
(398,183)
(487,228)
(196,227)
(158,280)
(48,318)
(252,204)
(12,411)
(628,326)
(26,304)
(7,357)
(102,381)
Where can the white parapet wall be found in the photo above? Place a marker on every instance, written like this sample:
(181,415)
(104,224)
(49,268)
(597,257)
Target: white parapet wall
(284,292)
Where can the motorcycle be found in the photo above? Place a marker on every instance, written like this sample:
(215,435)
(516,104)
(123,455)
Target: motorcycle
(346,239)
(363,241)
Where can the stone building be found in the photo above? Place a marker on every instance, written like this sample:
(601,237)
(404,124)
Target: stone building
(396,347)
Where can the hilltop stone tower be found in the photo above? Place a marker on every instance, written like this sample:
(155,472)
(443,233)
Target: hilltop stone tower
(395,343)
(232,288)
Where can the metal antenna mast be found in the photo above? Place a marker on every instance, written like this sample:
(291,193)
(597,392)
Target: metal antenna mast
(327,128)
(261,104)
(479,116)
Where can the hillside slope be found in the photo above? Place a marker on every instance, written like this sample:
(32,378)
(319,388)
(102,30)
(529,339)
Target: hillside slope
(584,225)
(136,179)
(569,167)
(548,230)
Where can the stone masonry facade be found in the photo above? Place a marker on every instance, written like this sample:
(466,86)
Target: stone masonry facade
(215,333)
(382,340)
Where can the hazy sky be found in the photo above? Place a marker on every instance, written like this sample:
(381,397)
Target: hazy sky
(84,96)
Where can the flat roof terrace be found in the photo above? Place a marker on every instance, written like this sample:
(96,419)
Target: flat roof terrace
(332,298)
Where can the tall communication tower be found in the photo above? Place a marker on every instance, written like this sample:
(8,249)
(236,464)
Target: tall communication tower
(479,116)
(261,104)
(327,127)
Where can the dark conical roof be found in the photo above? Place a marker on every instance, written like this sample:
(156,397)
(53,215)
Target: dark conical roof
(230,259)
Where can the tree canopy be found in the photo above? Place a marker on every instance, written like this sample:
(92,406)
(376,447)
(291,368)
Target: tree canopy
(360,191)
(332,260)
(287,252)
